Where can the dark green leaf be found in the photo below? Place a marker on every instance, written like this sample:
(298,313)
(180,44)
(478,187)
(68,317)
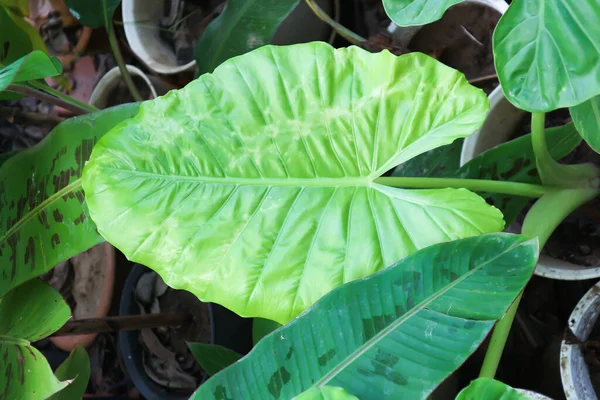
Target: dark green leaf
(586,117)
(262,327)
(5,156)
(17,37)
(31,311)
(42,217)
(77,367)
(282,146)
(326,393)
(544,52)
(515,161)
(19,7)
(440,162)
(416,12)
(395,334)
(94,13)
(35,65)
(244,25)
(213,358)
(489,389)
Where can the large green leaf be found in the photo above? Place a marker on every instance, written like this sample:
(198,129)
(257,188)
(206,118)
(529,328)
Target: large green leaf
(244,25)
(416,12)
(395,334)
(440,162)
(514,161)
(489,389)
(253,186)
(326,393)
(35,65)
(30,312)
(213,358)
(42,210)
(17,37)
(545,53)
(586,117)
(77,368)
(95,13)
(262,327)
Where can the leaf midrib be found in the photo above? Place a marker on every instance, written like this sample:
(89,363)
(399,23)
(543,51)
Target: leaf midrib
(36,210)
(394,325)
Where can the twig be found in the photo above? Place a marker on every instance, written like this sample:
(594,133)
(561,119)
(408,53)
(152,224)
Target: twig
(336,18)
(340,29)
(483,78)
(29,91)
(123,323)
(114,45)
(14,114)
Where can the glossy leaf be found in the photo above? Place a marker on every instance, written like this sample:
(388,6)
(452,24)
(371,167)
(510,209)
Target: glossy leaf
(77,368)
(30,312)
(514,161)
(543,53)
(42,211)
(243,25)
(281,147)
(213,358)
(586,117)
(326,393)
(395,334)
(262,327)
(416,12)
(17,37)
(35,65)
(94,13)
(489,389)
(441,162)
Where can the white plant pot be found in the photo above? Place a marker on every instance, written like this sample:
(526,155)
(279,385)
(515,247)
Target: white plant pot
(404,34)
(573,368)
(141,22)
(499,126)
(105,86)
(533,395)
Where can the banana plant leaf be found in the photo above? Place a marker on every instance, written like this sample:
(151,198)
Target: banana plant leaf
(43,218)
(544,53)
(35,65)
(77,369)
(252,187)
(396,334)
(326,393)
(489,389)
(416,12)
(28,313)
(244,25)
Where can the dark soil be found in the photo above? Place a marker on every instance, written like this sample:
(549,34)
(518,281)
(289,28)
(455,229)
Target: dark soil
(121,94)
(183,23)
(167,358)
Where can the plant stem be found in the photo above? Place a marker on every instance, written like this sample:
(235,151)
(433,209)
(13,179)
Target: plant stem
(476,185)
(28,91)
(340,29)
(114,45)
(60,95)
(543,218)
(552,172)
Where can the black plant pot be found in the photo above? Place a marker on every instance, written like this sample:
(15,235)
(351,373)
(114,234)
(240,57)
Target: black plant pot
(228,330)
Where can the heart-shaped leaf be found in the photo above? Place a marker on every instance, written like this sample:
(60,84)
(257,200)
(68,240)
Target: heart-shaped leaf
(77,368)
(244,25)
(94,13)
(543,53)
(42,212)
(35,65)
(489,389)
(253,188)
(395,334)
(29,312)
(586,117)
(416,12)
(326,393)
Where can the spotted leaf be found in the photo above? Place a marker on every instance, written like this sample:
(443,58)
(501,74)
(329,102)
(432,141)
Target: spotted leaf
(396,334)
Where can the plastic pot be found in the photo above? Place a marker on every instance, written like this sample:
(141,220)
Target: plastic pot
(573,368)
(533,395)
(227,328)
(404,34)
(141,21)
(499,126)
(109,82)
(68,343)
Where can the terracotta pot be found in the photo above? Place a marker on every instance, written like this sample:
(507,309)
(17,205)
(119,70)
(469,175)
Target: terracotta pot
(68,343)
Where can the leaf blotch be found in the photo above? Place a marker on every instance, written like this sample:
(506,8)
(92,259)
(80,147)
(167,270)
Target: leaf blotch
(58,217)
(277,381)
(325,358)
(220,393)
